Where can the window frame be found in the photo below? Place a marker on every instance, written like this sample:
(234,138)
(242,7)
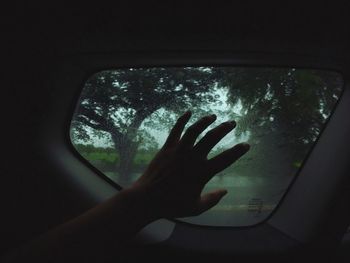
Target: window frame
(75,70)
(179,221)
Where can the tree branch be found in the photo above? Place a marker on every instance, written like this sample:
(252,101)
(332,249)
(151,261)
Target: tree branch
(83,120)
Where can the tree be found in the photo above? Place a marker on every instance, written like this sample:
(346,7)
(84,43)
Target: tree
(293,102)
(284,111)
(281,109)
(116,102)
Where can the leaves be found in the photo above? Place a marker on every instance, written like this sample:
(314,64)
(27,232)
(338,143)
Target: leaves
(281,110)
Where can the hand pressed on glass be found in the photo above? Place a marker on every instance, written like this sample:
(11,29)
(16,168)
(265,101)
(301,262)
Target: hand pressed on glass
(170,187)
(175,178)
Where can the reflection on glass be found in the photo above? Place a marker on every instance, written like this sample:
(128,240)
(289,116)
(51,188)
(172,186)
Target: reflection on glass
(123,117)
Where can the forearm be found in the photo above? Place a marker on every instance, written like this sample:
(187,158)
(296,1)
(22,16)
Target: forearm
(159,192)
(93,234)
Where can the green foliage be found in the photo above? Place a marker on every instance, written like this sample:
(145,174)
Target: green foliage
(107,158)
(119,100)
(287,100)
(282,110)
(91,153)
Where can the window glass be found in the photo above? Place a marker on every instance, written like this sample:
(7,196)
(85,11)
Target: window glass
(123,117)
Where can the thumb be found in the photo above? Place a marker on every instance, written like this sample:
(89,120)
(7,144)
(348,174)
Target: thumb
(211,199)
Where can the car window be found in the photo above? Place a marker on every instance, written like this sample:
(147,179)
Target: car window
(123,117)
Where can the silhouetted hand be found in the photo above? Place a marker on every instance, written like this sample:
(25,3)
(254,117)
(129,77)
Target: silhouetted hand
(174,180)
(170,187)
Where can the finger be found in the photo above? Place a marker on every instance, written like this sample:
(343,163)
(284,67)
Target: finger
(225,159)
(176,131)
(191,134)
(209,200)
(212,137)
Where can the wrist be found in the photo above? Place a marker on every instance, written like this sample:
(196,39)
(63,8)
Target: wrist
(139,205)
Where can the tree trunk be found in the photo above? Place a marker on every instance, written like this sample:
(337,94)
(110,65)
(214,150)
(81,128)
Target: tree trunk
(127,150)
(126,145)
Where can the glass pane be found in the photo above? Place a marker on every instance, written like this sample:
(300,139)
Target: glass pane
(124,115)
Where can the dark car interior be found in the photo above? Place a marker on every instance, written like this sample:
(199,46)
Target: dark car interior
(50,52)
